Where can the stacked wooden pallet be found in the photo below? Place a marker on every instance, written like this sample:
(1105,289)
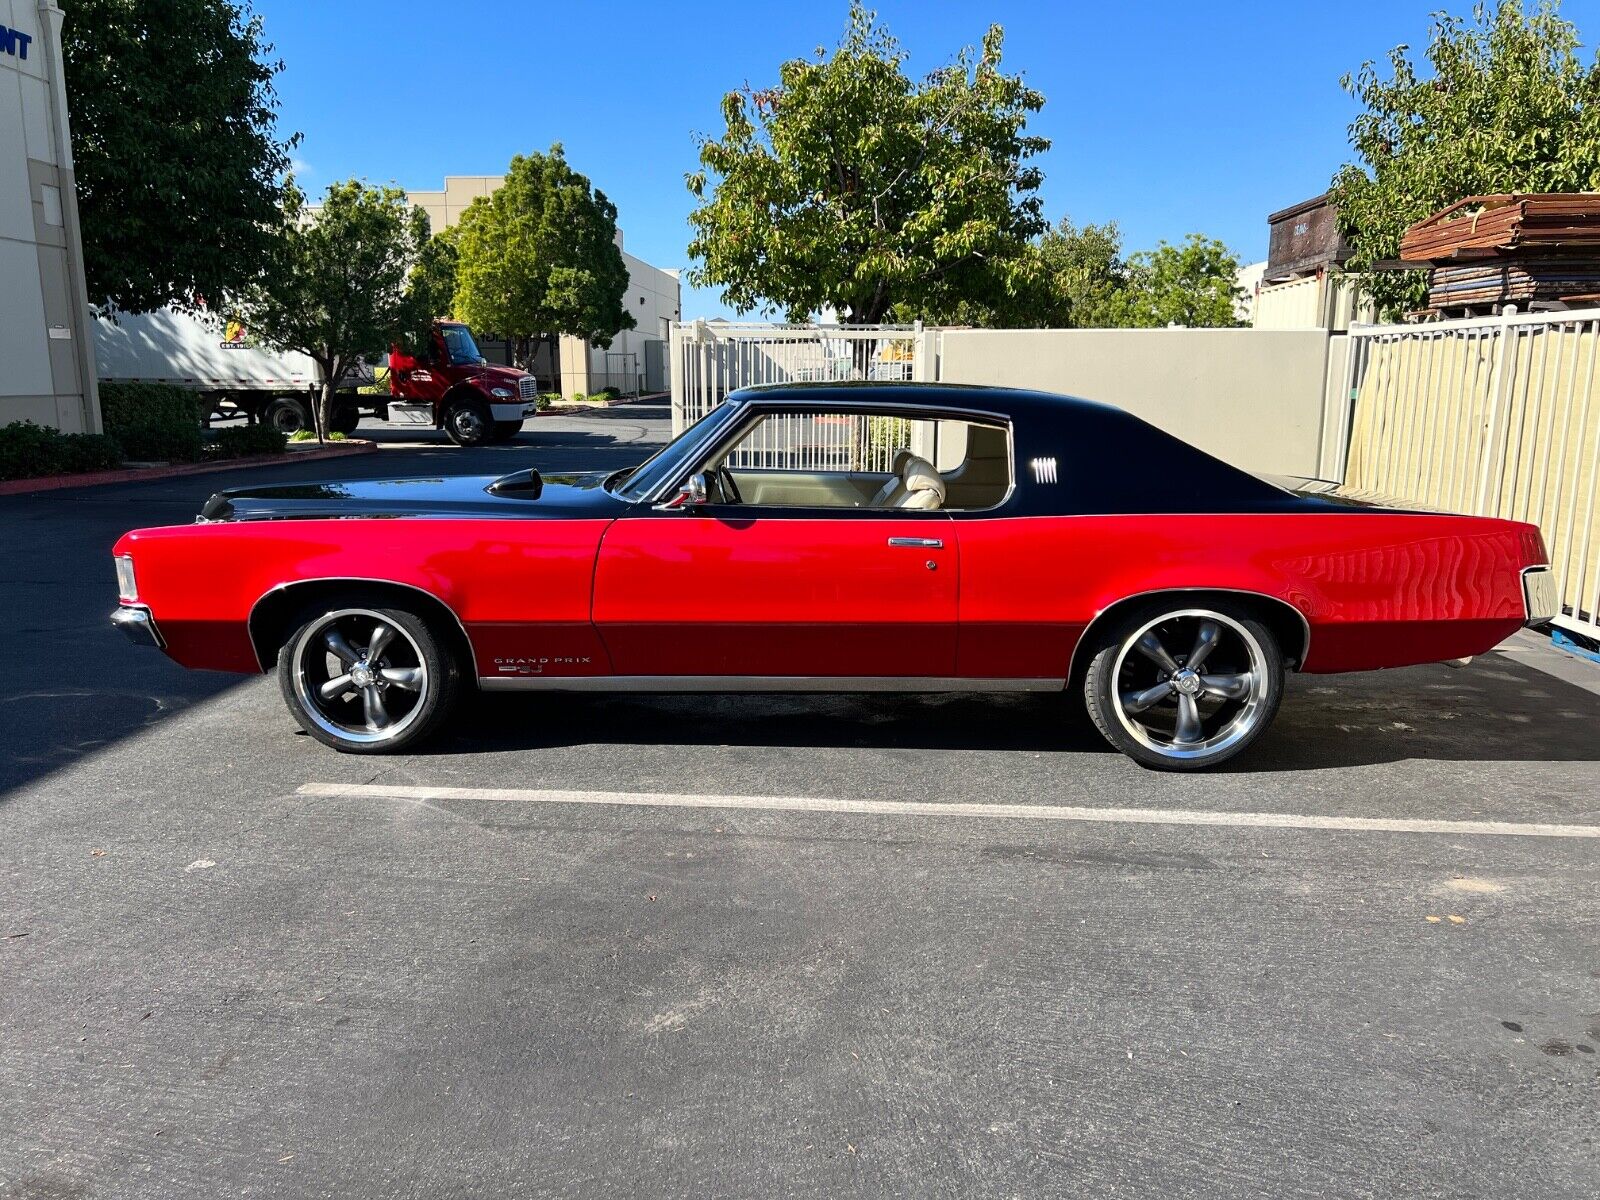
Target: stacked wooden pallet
(1486,251)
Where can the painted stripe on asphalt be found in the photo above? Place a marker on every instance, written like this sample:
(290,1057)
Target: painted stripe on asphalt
(918,808)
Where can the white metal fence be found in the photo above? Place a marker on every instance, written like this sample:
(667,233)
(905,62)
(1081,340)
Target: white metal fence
(1495,416)
(712,358)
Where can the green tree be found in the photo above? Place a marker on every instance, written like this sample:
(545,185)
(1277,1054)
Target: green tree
(333,284)
(1193,285)
(539,257)
(179,166)
(1083,278)
(848,185)
(1507,106)
(431,286)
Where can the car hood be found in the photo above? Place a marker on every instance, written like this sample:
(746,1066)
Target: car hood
(522,494)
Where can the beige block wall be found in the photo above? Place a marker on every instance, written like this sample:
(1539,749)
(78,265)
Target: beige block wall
(1255,398)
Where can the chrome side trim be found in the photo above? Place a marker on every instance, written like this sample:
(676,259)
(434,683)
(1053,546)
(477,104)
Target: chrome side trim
(1305,624)
(250,620)
(759,683)
(1541,599)
(138,626)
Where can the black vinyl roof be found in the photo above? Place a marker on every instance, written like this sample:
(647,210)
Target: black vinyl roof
(1108,460)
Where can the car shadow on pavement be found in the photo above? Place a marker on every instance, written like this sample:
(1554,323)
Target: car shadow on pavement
(1497,710)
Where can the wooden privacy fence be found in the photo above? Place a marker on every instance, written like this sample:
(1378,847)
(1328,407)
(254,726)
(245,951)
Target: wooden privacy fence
(1496,416)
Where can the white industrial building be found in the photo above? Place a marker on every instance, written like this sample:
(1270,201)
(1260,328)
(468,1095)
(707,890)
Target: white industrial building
(48,376)
(636,360)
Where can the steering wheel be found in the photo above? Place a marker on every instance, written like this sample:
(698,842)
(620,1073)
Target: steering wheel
(727,486)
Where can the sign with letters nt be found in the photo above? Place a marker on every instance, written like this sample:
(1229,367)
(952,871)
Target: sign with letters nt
(15,43)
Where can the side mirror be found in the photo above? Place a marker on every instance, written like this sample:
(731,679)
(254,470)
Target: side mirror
(692,494)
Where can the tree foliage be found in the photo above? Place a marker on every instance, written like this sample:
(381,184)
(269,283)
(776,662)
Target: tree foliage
(1083,278)
(849,185)
(539,256)
(1193,285)
(1086,282)
(432,285)
(179,165)
(1507,106)
(333,284)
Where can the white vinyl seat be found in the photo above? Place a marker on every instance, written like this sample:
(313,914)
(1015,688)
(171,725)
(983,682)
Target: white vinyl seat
(895,487)
(925,489)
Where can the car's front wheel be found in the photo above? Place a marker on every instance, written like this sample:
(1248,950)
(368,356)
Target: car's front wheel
(1181,688)
(367,680)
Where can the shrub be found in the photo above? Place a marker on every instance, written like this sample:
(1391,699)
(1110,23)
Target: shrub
(245,441)
(546,399)
(153,422)
(28,451)
(610,393)
(302,435)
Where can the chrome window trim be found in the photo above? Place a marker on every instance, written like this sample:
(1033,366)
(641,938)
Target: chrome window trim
(844,684)
(758,409)
(1083,637)
(284,586)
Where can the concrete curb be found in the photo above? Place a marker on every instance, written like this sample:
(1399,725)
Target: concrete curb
(50,483)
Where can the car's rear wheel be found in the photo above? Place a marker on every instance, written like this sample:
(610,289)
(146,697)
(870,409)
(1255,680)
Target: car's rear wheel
(1181,688)
(468,423)
(367,680)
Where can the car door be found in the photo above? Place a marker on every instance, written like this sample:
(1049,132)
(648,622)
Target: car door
(727,591)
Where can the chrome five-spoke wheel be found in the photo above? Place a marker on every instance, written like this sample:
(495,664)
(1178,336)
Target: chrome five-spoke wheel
(365,679)
(1183,688)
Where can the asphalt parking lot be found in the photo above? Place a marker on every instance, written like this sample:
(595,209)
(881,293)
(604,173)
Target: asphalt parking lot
(724,946)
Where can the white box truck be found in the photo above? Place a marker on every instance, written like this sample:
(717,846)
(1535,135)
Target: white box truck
(233,374)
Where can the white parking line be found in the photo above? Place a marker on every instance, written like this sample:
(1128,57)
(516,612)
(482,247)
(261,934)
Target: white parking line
(917,808)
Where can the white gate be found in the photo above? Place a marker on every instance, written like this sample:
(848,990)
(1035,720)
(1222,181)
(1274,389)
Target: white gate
(712,358)
(1496,416)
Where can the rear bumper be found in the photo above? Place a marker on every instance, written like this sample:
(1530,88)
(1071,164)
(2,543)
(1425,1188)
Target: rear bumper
(138,626)
(1541,601)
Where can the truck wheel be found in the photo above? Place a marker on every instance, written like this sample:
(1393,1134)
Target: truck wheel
(504,431)
(287,415)
(468,423)
(345,418)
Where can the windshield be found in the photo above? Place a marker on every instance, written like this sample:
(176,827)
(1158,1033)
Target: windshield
(458,344)
(673,457)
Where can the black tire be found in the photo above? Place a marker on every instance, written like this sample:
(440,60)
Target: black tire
(1214,713)
(468,422)
(346,418)
(286,414)
(504,431)
(348,720)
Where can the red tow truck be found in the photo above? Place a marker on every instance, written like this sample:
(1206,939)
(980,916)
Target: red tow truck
(453,387)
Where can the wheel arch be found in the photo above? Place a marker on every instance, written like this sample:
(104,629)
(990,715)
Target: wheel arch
(271,614)
(1288,625)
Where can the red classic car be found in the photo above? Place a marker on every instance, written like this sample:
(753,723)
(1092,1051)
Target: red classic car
(835,538)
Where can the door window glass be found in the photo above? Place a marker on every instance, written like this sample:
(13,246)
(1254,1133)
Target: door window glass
(861,460)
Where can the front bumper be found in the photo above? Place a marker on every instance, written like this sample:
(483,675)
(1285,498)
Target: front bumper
(514,410)
(138,626)
(1541,600)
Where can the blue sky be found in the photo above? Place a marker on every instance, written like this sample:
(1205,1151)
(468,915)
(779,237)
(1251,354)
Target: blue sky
(1167,117)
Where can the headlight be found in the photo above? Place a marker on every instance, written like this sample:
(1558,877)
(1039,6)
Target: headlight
(501,393)
(127,588)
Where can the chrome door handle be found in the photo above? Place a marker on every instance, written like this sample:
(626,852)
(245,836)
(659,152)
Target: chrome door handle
(917,543)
